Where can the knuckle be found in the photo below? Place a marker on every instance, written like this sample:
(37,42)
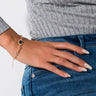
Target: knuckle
(60,60)
(79,60)
(51,43)
(77,48)
(72,66)
(68,54)
(51,50)
(55,69)
(75,67)
(47,48)
(65,44)
(47,66)
(52,68)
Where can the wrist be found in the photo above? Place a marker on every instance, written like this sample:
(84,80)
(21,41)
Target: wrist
(9,38)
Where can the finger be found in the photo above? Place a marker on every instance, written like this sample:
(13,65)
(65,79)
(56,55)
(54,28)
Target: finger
(54,69)
(66,63)
(72,58)
(70,46)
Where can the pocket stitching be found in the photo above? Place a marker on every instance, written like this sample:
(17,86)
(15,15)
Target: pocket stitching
(40,72)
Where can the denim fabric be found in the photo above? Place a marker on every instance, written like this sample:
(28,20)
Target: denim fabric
(41,82)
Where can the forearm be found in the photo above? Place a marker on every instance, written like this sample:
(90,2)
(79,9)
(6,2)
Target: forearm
(8,39)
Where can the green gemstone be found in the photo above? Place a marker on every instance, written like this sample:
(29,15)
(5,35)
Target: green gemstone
(20,42)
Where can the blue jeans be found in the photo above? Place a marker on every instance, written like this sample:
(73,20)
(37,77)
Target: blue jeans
(41,82)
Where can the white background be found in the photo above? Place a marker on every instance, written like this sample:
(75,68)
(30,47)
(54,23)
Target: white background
(14,13)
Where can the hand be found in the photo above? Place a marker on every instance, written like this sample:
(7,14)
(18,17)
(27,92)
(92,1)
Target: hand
(39,54)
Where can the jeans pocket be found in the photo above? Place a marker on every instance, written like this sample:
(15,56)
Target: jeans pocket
(39,73)
(35,71)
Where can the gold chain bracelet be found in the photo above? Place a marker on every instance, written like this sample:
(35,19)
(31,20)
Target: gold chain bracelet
(20,43)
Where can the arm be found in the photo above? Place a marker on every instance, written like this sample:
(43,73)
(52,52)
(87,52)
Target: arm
(8,37)
(33,55)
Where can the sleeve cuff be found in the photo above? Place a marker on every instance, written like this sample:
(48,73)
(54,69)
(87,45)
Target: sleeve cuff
(3,25)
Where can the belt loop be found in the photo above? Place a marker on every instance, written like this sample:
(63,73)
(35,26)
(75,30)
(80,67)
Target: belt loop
(81,39)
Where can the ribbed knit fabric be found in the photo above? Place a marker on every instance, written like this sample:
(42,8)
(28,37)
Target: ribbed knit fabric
(47,18)
(60,17)
(3,26)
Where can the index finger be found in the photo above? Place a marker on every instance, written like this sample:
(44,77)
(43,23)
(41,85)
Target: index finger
(70,46)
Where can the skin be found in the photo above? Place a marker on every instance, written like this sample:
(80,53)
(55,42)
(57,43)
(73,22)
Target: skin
(34,53)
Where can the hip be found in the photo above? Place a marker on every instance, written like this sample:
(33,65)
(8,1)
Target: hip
(42,81)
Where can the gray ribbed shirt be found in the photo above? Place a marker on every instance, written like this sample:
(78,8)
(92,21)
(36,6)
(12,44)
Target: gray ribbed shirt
(47,18)
(3,25)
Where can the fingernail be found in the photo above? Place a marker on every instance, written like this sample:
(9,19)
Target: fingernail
(83,69)
(88,66)
(85,51)
(67,75)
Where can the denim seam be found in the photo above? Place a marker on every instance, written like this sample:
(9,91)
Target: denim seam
(31,82)
(84,93)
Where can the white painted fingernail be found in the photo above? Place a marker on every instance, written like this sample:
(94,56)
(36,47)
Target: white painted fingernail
(88,66)
(85,51)
(67,75)
(83,69)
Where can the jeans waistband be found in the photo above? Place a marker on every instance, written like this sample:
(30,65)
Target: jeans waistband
(86,36)
(87,40)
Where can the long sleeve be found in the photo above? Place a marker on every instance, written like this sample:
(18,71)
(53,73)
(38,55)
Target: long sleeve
(3,25)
